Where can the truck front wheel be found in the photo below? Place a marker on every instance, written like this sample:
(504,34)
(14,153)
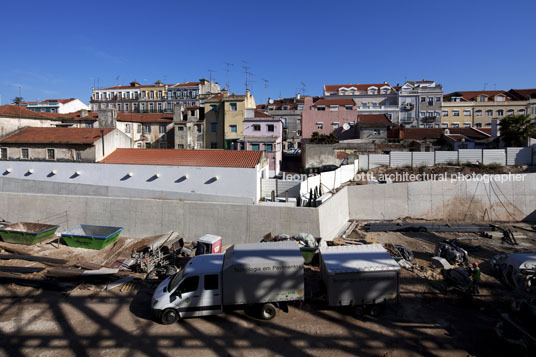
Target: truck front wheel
(268,311)
(169,316)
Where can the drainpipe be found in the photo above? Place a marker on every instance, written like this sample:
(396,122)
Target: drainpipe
(102,139)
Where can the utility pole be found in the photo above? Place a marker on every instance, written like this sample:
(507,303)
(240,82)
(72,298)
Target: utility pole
(229,65)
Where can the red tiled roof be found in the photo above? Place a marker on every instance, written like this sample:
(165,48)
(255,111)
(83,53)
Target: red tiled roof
(336,87)
(523,94)
(176,157)
(62,101)
(261,114)
(373,119)
(328,102)
(145,118)
(193,107)
(32,135)
(186,84)
(16,111)
(471,95)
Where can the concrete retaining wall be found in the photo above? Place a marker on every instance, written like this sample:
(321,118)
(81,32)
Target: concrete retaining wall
(236,223)
(446,200)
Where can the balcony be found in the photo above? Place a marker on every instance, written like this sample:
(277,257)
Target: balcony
(429,118)
(407,119)
(378,108)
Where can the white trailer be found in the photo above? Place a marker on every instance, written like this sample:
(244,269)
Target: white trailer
(265,276)
(359,276)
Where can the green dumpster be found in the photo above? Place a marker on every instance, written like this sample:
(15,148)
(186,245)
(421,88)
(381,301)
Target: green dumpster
(91,236)
(27,233)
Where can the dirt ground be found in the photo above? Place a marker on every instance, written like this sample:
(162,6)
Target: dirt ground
(428,320)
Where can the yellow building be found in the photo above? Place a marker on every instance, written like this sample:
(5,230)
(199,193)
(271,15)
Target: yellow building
(224,117)
(153,97)
(479,108)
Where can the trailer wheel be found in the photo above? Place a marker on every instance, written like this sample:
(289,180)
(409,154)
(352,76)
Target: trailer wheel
(169,316)
(375,310)
(268,311)
(359,311)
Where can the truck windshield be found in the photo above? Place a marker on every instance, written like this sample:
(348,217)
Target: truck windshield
(175,281)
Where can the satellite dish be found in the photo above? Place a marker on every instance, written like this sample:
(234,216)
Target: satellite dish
(346,126)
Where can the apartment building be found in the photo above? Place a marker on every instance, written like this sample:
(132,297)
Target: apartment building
(289,111)
(151,98)
(478,108)
(224,119)
(379,98)
(61,106)
(189,127)
(327,115)
(420,104)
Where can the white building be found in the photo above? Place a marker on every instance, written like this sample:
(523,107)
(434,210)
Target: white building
(60,106)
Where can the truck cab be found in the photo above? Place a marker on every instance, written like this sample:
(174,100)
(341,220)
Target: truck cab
(194,291)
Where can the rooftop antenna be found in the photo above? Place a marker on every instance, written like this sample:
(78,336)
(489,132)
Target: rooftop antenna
(485,86)
(302,88)
(229,65)
(265,86)
(210,71)
(246,71)
(117,80)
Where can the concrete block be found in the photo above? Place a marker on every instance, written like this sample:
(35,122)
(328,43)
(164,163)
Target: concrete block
(442,263)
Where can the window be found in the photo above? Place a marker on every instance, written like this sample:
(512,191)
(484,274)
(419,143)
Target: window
(482,98)
(151,107)
(192,113)
(500,113)
(268,147)
(255,147)
(478,125)
(444,125)
(211,282)
(348,107)
(320,126)
(142,107)
(118,107)
(146,128)
(438,99)
(152,95)
(180,128)
(3,153)
(488,125)
(189,284)
(335,126)
(466,112)
(455,125)
(213,107)
(489,113)
(374,104)
(213,145)
(25,154)
(270,127)
(499,98)
(445,113)
(232,106)
(127,128)
(213,127)
(284,122)
(256,127)
(160,107)
(423,114)
(321,108)
(423,99)
(89,125)
(126,107)
(298,132)
(51,154)
(139,145)
(139,129)
(159,94)
(510,112)
(455,113)
(162,129)
(233,128)
(466,125)
(478,113)
(521,111)
(198,128)
(180,146)
(333,108)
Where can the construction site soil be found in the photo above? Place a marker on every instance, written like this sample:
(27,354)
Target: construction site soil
(429,319)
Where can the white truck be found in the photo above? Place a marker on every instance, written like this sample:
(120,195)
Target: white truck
(264,276)
(267,276)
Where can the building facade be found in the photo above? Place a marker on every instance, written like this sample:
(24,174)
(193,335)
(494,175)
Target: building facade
(62,144)
(289,111)
(420,104)
(262,132)
(154,98)
(60,106)
(328,115)
(478,108)
(189,127)
(224,117)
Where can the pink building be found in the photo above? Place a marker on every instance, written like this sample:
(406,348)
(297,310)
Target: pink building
(264,132)
(327,115)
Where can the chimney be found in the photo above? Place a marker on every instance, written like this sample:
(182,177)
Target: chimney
(83,113)
(298,96)
(225,93)
(248,93)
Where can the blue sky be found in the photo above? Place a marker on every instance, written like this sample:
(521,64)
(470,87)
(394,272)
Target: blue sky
(59,49)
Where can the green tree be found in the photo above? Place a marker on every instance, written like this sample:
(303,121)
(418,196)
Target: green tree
(16,100)
(516,129)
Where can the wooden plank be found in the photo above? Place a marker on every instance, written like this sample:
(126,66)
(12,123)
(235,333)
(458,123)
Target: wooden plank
(33,258)
(21,270)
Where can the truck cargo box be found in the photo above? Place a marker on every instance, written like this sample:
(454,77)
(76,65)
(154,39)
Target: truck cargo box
(359,274)
(263,272)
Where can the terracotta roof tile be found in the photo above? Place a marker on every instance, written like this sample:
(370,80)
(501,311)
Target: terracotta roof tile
(262,114)
(32,135)
(471,95)
(175,157)
(16,111)
(328,102)
(373,119)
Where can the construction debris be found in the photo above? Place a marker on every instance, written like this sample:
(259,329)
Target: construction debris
(399,251)
(425,227)
(452,253)
(442,263)
(117,283)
